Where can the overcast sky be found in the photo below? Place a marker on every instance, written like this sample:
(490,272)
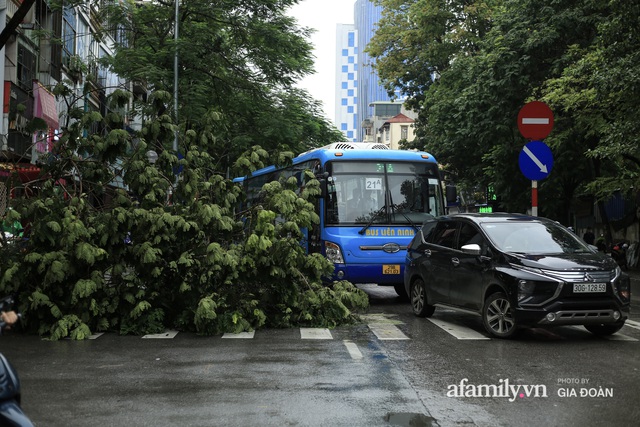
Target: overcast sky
(323,16)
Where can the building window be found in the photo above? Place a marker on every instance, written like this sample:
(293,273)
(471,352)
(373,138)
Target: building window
(344,101)
(26,68)
(345,68)
(345,85)
(351,60)
(350,76)
(343,126)
(350,109)
(350,92)
(68,33)
(387,110)
(387,134)
(404,132)
(351,39)
(345,52)
(350,134)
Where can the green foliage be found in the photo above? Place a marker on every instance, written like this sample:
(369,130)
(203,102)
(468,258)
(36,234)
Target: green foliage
(241,58)
(116,243)
(99,258)
(468,67)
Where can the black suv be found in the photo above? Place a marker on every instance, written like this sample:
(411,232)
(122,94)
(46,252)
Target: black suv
(515,271)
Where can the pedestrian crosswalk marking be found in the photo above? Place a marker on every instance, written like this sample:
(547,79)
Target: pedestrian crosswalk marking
(377,318)
(458,331)
(164,335)
(384,328)
(240,335)
(387,332)
(632,324)
(619,337)
(315,334)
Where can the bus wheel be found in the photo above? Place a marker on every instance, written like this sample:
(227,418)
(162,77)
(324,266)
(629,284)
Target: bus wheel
(402,293)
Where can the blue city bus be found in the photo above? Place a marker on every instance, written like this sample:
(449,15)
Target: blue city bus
(374,201)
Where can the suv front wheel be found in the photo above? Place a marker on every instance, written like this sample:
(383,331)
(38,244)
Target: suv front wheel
(497,316)
(419,299)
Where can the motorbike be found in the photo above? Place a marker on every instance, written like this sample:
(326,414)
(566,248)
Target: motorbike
(619,254)
(11,414)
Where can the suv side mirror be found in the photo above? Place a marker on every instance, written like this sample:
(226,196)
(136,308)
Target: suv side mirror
(472,249)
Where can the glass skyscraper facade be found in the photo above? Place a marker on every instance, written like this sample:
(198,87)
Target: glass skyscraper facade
(366,16)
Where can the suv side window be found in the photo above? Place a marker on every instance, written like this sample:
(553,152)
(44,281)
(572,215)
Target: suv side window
(444,234)
(468,235)
(427,230)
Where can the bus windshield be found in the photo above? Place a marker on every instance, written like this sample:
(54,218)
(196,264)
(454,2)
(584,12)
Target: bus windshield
(375,192)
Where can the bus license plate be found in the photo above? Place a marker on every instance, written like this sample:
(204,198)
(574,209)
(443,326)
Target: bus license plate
(589,287)
(391,269)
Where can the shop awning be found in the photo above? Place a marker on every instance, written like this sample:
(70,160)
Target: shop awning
(45,105)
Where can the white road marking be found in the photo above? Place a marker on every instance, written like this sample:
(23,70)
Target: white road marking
(632,324)
(353,350)
(315,334)
(388,332)
(240,335)
(619,337)
(377,318)
(96,335)
(164,335)
(460,332)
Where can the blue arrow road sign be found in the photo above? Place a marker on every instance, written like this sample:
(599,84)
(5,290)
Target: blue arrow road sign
(536,160)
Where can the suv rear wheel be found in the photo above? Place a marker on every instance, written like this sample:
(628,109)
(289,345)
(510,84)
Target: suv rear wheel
(497,316)
(419,299)
(604,330)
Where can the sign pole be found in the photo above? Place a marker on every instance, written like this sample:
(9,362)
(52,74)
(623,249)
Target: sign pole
(534,197)
(535,121)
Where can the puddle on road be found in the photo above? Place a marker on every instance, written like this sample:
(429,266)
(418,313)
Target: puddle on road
(407,419)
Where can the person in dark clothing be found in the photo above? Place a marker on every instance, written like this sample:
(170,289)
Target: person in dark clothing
(589,237)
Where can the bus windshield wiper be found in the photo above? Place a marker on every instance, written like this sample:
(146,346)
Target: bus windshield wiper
(393,212)
(413,224)
(374,216)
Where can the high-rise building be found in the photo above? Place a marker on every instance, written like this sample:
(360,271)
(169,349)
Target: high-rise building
(360,98)
(366,17)
(346,110)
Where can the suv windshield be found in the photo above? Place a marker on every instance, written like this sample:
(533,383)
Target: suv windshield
(533,238)
(382,192)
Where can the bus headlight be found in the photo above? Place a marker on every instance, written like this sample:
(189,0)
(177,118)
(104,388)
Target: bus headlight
(333,253)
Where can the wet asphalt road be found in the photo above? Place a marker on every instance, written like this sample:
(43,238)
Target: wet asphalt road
(355,376)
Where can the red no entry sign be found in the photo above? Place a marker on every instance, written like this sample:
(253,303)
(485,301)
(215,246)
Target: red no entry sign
(535,120)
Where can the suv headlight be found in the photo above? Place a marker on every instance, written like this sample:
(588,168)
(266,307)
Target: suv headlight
(622,287)
(525,289)
(537,292)
(333,253)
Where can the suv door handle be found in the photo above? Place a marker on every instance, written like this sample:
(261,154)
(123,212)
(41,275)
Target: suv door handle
(455,261)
